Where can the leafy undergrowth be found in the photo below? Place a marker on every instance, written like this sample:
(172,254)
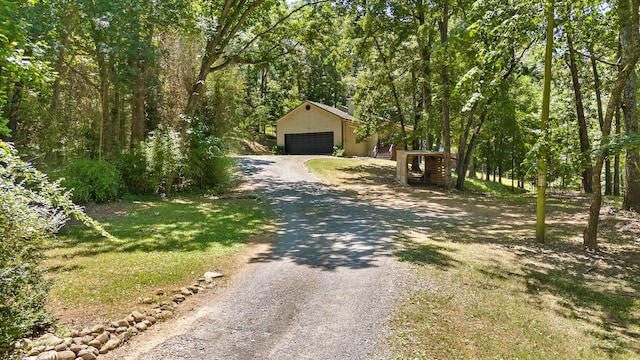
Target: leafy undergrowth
(484,289)
(161,245)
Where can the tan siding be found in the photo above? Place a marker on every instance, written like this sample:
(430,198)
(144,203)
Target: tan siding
(352,146)
(301,120)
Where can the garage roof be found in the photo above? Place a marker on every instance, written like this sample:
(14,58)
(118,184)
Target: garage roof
(332,110)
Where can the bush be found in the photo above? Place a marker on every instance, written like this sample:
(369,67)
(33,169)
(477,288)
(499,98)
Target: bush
(278,150)
(92,180)
(209,168)
(338,151)
(32,209)
(136,177)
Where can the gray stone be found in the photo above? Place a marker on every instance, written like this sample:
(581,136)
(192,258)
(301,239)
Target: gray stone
(36,350)
(95,343)
(77,340)
(48,355)
(87,339)
(75,348)
(121,329)
(184,291)
(178,298)
(60,347)
(137,316)
(132,330)
(167,307)
(74,333)
(85,332)
(49,348)
(51,339)
(165,314)
(147,300)
(146,322)
(131,320)
(66,355)
(151,319)
(110,345)
(94,350)
(160,292)
(141,326)
(86,355)
(194,288)
(110,329)
(125,336)
(103,338)
(98,329)
(121,323)
(209,276)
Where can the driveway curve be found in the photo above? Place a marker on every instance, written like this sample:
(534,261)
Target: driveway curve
(324,290)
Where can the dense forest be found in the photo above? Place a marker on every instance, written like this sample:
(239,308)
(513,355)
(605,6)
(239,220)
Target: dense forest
(153,92)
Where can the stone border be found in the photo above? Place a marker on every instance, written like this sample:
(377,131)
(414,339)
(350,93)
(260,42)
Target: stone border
(89,343)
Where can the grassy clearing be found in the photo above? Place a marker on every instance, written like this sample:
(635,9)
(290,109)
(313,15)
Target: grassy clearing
(486,290)
(161,245)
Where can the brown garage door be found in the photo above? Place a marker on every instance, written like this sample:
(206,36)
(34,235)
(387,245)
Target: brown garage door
(309,143)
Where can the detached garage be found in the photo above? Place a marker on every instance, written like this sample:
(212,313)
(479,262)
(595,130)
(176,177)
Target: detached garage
(314,128)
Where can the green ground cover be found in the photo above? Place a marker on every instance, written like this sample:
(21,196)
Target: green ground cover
(161,244)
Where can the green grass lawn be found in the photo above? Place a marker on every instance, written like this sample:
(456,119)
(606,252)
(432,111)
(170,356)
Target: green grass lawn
(485,290)
(161,245)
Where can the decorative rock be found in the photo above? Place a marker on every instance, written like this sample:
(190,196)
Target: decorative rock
(77,340)
(211,285)
(209,276)
(86,355)
(85,332)
(121,329)
(48,355)
(160,292)
(151,319)
(66,355)
(110,345)
(60,347)
(94,350)
(130,319)
(137,316)
(147,322)
(74,333)
(110,329)
(186,292)
(167,307)
(49,348)
(31,358)
(36,350)
(147,300)
(95,343)
(98,329)
(75,348)
(124,336)
(121,322)
(102,338)
(165,314)
(141,326)
(51,339)
(178,298)
(193,289)
(132,331)
(87,339)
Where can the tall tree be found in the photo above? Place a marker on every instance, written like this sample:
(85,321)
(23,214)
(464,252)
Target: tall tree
(629,25)
(544,118)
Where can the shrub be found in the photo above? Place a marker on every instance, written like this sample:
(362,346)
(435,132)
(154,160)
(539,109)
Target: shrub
(92,180)
(32,209)
(136,177)
(166,160)
(278,150)
(209,168)
(338,151)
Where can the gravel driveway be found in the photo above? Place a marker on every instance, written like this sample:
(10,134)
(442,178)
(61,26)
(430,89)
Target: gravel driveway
(324,290)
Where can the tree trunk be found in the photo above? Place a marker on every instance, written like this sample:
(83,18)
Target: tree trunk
(597,86)
(546,97)
(630,54)
(616,160)
(13,110)
(444,81)
(582,122)
(137,106)
(632,160)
